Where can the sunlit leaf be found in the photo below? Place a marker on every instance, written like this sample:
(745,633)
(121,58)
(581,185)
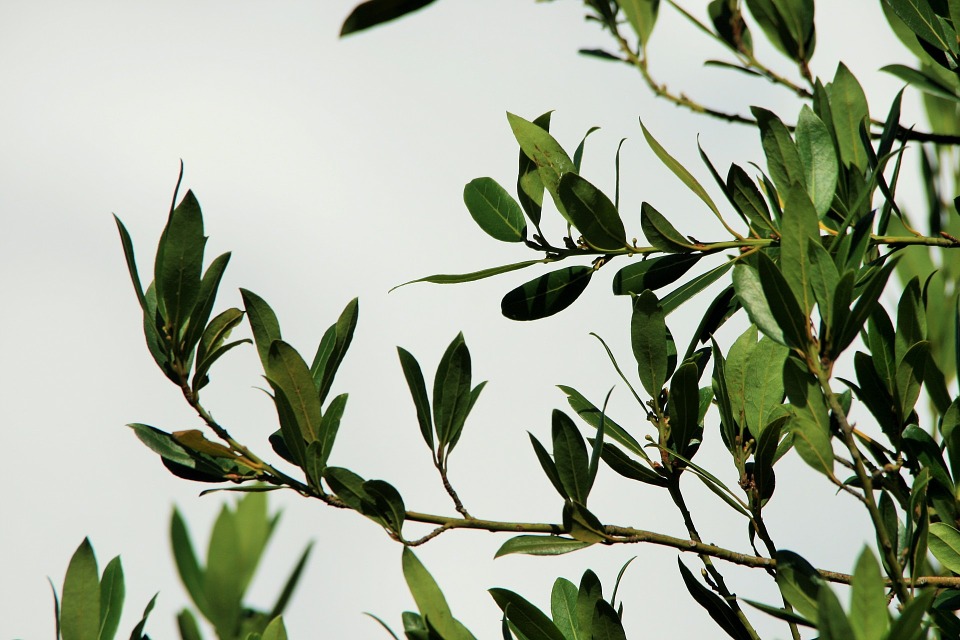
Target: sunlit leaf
(494,210)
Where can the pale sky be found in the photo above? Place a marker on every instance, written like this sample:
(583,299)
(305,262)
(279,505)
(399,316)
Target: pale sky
(332,169)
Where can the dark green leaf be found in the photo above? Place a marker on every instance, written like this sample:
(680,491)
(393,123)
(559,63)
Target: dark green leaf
(606,623)
(687,290)
(540,545)
(721,613)
(179,263)
(783,158)
(920,18)
(206,297)
(746,283)
(188,567)
(288,373)
(549,467)
(823,280)
(848,105)
(549,294)
(684,406)
(648,335)
(330,425)
(112,593)
(780,614)
(529,184)
(922,80)
(528,620)
(387,503)
(798,229)
(451,391)
(763,384)
(263,323)
(730,25)
(787,313)
(592,416)
(563,609)
(876,281)
(570,457)
(588,594)
(418,390)
(578,154)
(630,468)
(374,12)
(788,26)
(908,625)
(494,210)
(832,623)
(910,377)
(660,233)
(653,273)
(137,633)
(332,349)
(944,542)
(128,254)
(592,213)
(748,199)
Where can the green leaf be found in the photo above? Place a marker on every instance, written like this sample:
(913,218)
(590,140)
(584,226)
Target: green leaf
(263,323)
(673,300)
(80,606)
(798,228)
(295,445)
(766,456)
(730,26)
(746,282)
(763,384)
(592,416)
(291,584)
(721,613)
(387,503)
(137,633)
(748,199)
(549,294)
(179,263)
(112,593)
(910,377)
(418,390)
(606,623)
(529,183)
(451,391)
(648,334)
(188,567)
(630,468)
(188,626)
(222,587)
(920,79)
(374,12)
(680,171)
(869,616)
(684,406)
(908,625)
(333,347)
(780,614)
(206,297)
(944,542)
(216,333)
(785,308)
(474,275)
(592,213)
(800,584)
(563,609)
(330,425)
(848,105)
(920,18)
(875,283)
(810,424)
(549,467)
(783,158)
(540,546)
(494,210)
(582,524)
(823,280)
(788,25)
(642,16)
(660,233)
(128,254)
(819,159)
(588,594)
(430,601)
(275,630)
(551,160)
(570,457)
(653,273)
(288,374)
(832,623)
(528,620)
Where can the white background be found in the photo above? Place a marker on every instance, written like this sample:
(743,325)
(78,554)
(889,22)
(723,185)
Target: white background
(333,169)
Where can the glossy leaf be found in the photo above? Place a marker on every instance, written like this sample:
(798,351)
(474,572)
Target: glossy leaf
(549,294)
(748,199)
(590,414)
(387,503)
(920,18)
(330,425)
(206,297)
(288,373)
(606,623)
(910,372)
(563,609)
(549,467)
(788,25)
(824,279)
(540,546)
(179,262)
(374,12)
(819,159)
(630,468)
(570,457)
(783,158)
(131,260)
(648,335)
(589,593)
(529,183)
(527,619)
(653,273)
(673,300)
(592,213)
(684,406)
(494,210)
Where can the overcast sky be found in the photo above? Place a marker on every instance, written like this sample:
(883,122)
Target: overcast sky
(333,169)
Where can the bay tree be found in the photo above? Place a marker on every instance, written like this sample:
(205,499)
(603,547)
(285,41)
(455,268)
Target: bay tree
(823,330)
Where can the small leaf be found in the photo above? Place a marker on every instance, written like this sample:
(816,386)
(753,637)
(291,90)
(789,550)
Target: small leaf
(263,323)
(540,545)
(684,406)
(494,210)
(529,183)
(418,390)
(548,465)
(387,503)
(374,12)
(748,199)
(549,294)
(783,158)
(673,300)
(333,347)
(592,213)
(474,275)
(629,468)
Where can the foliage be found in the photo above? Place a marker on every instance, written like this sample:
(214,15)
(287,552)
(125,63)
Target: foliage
(812,243)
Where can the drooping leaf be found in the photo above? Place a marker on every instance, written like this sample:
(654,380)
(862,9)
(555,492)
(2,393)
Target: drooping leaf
(549,294)
(494,210)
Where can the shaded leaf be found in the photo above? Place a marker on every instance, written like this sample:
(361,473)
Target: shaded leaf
(592,213)
(653,273)
(721,613)
(549,294)
(374,12)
